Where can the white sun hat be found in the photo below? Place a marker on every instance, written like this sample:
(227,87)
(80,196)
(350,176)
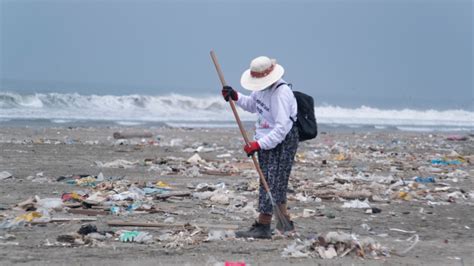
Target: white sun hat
(263,72)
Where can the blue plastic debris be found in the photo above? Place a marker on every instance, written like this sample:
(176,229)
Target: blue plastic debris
(428,179)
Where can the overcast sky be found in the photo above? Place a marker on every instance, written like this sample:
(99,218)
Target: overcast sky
(386,53)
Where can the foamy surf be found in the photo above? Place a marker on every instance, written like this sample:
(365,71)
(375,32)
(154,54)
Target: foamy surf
(181,110)
(129,123)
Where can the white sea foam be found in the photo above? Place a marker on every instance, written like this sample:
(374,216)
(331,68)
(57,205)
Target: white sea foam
(61,121)
(430,129)
(185,110)
(372,116)
(129,123)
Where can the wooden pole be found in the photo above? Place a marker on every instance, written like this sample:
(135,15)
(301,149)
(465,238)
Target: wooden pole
(239,123)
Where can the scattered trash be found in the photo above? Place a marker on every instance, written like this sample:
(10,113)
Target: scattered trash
(337,172)
(336,244)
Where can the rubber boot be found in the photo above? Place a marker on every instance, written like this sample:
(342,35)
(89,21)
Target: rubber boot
(258,230)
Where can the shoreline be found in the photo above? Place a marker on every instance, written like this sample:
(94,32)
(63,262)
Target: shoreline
(134,124)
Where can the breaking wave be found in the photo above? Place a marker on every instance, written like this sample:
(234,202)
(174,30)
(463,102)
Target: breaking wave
(132,109)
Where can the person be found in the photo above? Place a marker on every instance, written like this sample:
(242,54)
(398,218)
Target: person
(275,140)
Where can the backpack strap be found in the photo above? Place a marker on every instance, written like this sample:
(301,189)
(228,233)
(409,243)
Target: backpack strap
(283,83)
(291,87)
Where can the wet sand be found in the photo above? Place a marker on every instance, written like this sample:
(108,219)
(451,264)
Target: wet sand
(36,157)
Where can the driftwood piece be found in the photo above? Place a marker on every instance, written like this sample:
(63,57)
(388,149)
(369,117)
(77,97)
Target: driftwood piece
(218,173)
(333,193)
(131,135)
(66,219)
(173,194)
(72,204)
(142,224)
(88,212)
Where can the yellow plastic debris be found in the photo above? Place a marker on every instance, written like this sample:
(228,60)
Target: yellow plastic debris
(404,195)
(162,184)
(28,217)
(76,196)
(340,157)
(86,181)
(300,157)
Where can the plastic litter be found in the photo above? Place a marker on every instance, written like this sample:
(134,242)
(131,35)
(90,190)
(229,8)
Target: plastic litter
(195,159)
(163,185)
(215,235)
(72,197)
(308,213)
(220,198)
(87,181)
(428,179)
(135,236)
(403,195)
(357,204)
(192,172)
(297,249)
(327,253)
(28,217)
(445,162)
(115,210)
(50,204)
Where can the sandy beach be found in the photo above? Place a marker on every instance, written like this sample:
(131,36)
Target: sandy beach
(335,169)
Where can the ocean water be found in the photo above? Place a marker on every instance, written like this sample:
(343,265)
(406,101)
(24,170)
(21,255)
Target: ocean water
(207,111)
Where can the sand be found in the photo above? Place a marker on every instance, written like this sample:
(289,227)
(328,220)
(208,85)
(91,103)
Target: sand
(446,232)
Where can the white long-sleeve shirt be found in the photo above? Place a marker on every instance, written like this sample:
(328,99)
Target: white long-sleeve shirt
(274,106)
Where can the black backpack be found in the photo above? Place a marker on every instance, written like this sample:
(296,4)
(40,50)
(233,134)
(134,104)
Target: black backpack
(306,120)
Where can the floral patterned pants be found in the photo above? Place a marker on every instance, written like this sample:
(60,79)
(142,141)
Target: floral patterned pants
(276,167)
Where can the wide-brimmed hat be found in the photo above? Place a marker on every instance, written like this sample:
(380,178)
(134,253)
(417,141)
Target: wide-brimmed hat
(263,72)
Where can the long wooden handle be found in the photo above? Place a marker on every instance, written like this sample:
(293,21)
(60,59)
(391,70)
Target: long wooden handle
(239,123)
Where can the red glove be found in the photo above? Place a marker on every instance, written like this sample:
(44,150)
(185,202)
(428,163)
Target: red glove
(228,92)
(251,148)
